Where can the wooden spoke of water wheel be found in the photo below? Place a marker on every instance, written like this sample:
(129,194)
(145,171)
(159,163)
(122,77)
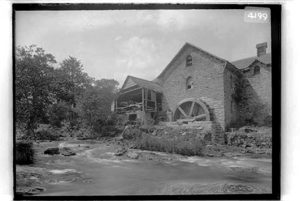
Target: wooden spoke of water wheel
(183,112)
(189,114)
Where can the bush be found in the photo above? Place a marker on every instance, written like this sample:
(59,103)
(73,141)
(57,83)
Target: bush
(61,112)
(105,127)
(179,145)
(132,133)
(58,113)
(51,135)
(24,153)
(45,132)
(84,133)
(268,121)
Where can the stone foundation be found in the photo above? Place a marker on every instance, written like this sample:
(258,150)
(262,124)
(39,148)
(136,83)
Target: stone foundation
(205,130)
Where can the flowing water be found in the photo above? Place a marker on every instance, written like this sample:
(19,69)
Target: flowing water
(97,171)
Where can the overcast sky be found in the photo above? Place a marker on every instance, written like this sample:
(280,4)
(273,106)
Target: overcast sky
(114,44)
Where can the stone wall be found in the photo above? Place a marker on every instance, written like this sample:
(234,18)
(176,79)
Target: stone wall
(230,103)
(262,85)
(252,110)
(208,83)
(204,130)
(250,137)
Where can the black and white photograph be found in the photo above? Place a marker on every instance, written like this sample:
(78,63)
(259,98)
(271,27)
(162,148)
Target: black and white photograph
(137,100)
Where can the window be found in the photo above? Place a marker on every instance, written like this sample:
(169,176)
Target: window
(189,83)
(256,70)
(188,61)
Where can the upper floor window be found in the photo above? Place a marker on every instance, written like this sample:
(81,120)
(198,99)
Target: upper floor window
(188,61)
(256,70)
(189,83)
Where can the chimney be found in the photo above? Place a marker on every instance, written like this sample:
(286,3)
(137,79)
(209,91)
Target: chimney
(261,49)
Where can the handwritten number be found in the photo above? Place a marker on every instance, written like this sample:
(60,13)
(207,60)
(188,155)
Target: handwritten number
(255,15)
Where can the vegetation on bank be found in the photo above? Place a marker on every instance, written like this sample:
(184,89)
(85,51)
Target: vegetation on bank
(54,100)
(61,96)
(188,145)
(180,145)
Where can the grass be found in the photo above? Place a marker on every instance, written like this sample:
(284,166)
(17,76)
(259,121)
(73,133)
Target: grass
(24,153)
(178,145)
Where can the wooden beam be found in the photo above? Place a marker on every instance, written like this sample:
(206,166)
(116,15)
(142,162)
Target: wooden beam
(199,117)
(192,108)
(143,98)
(122,93)
(155,106)
(146,99)
(182,111)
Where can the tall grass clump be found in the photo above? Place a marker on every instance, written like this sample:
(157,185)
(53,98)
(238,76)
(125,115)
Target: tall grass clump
(24,153)
(179,145)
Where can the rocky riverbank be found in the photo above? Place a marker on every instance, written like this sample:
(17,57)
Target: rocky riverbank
(243,159)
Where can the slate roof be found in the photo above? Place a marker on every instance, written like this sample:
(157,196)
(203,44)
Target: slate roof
(146,83)
(244,63)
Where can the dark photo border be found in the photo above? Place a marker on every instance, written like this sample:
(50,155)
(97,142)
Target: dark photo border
(276,97)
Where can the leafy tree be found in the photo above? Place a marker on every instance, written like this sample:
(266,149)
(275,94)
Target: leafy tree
(33,77)
(71,80)
(95,102)
(58,113)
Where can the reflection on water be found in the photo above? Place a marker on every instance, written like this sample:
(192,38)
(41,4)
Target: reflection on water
(102,173)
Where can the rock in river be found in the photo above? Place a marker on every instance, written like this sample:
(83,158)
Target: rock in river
(52,151)
(133,155)
(67,151)
(120,151)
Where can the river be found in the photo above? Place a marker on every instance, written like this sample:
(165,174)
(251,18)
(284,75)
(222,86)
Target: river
(97,171)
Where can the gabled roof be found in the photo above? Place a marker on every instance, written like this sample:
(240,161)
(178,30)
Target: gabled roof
(180,52)
(144,83)
(244,63)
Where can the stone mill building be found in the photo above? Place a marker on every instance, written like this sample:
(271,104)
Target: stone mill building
(197,86)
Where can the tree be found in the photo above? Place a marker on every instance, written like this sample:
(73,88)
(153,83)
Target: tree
(71,80)
(95,102)
(33,78)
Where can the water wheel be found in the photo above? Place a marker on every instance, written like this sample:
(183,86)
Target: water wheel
(192,110)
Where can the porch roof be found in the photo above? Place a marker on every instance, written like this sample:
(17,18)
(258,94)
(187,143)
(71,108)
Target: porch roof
(144,84)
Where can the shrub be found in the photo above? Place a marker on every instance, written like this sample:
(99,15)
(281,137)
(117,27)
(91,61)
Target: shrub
(20,133)
(46,134)
(268,121)
(58,113)
(105,128)
(132,133)
(109,131)
(24,153)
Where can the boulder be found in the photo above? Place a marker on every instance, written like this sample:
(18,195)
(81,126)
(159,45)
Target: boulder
(133,155)
(35,190)
(52,151)
(120,152)
(67,151)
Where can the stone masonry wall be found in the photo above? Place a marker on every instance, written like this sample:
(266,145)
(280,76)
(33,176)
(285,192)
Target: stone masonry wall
(261,83)
(230,103)
(255,107)
(208,84)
